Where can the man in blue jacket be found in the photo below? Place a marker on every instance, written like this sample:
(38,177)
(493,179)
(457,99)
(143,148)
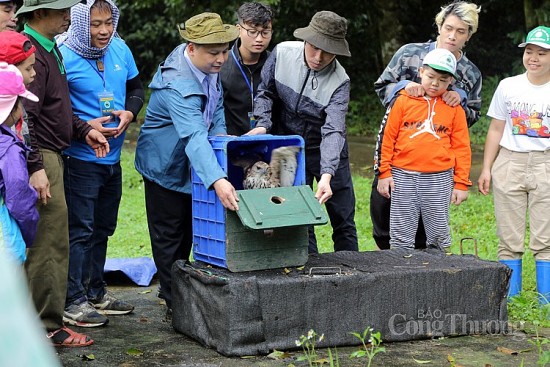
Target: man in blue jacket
(186,106)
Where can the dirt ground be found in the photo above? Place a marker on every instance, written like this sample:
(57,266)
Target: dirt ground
(144,339)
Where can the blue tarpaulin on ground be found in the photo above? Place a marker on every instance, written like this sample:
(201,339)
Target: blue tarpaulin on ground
(140,269)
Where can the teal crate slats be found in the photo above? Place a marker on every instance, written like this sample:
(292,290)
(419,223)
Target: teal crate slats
(313,204)
(280,207)
(248,207)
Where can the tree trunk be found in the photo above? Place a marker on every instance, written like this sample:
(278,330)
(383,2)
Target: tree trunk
(389,28)
(536,13)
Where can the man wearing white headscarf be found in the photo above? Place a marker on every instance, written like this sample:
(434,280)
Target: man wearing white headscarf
(103,81)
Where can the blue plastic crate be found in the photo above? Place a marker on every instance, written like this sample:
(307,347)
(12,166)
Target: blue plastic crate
(211,242)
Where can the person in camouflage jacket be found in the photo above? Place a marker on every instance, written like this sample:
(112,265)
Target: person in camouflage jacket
(456,23)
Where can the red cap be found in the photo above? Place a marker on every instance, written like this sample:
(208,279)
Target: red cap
(14,47)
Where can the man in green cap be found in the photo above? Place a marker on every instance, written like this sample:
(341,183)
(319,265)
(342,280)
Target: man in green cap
(51,127)
(186,106)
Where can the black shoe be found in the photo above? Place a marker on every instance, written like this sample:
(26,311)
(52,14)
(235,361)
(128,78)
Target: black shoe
(159,293)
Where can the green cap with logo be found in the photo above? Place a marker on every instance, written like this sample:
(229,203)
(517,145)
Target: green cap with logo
(442,60)
(539,36)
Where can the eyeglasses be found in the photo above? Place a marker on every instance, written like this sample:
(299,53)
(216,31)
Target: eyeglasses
(253,33)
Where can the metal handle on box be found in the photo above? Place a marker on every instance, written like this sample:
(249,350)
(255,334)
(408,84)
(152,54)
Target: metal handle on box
(325,270)
(469,239)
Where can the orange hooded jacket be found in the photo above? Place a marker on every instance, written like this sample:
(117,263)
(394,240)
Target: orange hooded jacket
(424,134)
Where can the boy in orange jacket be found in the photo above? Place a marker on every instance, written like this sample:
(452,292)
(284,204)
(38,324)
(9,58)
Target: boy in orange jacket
(426,157)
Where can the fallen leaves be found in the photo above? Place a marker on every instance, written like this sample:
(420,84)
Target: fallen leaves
(420,361)
(452,361)
(277,354)
(134,352)
(508,351)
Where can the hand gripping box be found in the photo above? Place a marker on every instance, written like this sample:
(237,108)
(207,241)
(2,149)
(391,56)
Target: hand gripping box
(270,229)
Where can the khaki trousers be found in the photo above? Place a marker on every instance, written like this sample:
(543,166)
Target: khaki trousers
(48,259)
(521,189)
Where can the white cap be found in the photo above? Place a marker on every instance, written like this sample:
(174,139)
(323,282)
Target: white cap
(442,60)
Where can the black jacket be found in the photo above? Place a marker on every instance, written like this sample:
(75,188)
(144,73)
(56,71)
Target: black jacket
(238,101)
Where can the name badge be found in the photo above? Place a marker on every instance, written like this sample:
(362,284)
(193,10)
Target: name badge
(252,120)
(106,103)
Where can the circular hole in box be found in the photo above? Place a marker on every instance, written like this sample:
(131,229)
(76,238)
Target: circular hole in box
(277,200)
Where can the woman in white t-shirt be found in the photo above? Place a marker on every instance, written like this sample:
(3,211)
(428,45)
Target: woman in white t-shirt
(517,159)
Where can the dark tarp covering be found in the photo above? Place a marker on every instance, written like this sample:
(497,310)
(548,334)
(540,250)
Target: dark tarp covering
(405,295)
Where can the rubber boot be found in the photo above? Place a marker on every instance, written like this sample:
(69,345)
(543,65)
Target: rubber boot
(543,281)
(515,279)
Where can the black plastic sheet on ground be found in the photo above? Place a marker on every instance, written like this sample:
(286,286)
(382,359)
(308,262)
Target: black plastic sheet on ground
(405,295)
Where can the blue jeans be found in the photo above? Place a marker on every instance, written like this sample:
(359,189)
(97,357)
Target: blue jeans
(93,192)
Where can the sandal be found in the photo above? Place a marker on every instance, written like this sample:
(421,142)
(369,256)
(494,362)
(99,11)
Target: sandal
(66,337)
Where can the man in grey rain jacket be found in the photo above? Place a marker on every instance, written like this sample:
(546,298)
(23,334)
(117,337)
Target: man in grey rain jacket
(311,91)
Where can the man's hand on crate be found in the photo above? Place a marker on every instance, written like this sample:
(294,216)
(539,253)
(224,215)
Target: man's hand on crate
(227,194)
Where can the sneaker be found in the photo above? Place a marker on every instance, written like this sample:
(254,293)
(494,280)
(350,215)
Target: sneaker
(83,315)
(110,305)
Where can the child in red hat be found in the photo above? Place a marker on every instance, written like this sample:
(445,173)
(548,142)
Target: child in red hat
(16,49)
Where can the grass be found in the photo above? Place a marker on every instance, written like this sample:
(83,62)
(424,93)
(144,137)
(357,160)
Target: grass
(473,218)
(131,238)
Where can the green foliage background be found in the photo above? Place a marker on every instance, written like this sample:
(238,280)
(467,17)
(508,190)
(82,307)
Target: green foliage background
(150,29)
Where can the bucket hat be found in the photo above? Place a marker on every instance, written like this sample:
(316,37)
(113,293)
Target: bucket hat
(327,31)
(539,36)
(11,86)
(442,60)
(32,5)
(207,28)
(15,48)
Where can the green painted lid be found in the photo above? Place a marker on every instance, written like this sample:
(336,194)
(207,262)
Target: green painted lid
(280,207)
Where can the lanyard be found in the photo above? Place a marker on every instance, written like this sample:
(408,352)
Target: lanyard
(100,73)
(59,60)
(242,72)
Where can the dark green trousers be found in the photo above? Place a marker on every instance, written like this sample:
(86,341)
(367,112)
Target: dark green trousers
(48,259)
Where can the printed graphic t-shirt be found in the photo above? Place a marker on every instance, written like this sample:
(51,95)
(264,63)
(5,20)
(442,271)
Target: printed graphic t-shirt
(526,109)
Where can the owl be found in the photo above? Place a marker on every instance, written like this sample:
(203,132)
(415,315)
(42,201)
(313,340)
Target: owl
(280,172)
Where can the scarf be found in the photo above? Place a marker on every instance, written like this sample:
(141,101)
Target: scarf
(77,38)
